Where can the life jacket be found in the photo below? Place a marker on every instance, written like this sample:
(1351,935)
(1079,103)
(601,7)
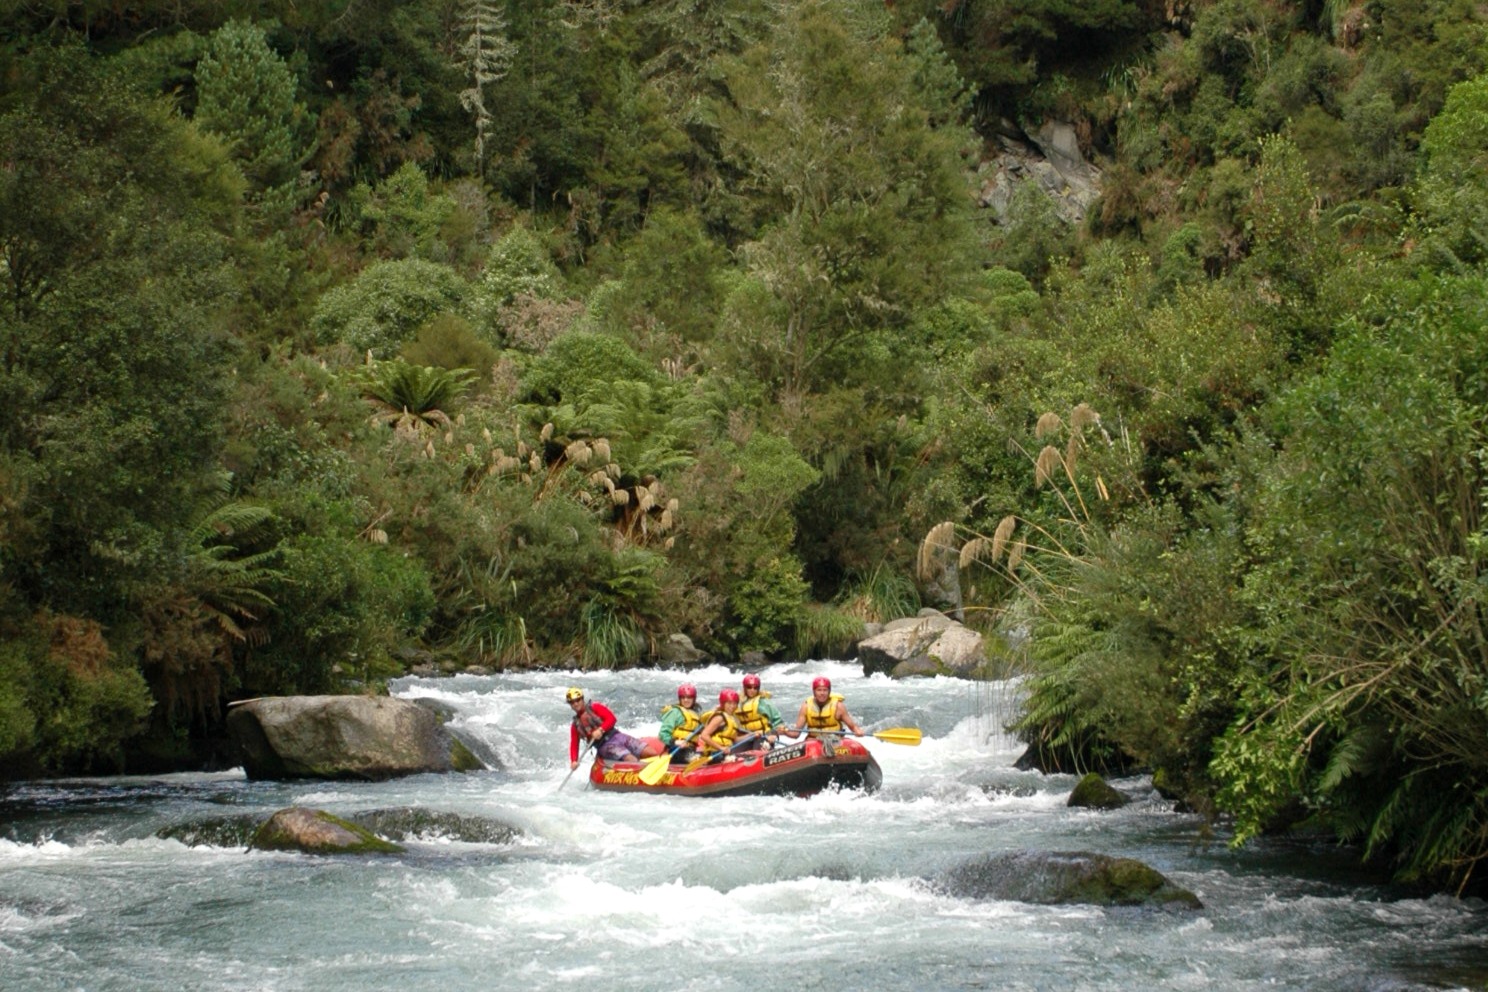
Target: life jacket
(691,720)
(750,717)
(823,717)
(589,722)
(724,736)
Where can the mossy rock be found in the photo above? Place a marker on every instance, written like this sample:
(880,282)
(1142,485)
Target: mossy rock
(418,823)
(314,831)
(1057,877)
(219,831)
(1094,792)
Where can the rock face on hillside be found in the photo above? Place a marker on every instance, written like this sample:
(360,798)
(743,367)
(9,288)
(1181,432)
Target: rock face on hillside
(1050,158)
(928,644)
(1056,877)
(343,737)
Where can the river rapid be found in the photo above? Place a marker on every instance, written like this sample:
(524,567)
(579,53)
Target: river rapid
(643,892)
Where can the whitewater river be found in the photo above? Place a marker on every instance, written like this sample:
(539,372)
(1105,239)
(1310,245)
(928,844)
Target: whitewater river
(638,892)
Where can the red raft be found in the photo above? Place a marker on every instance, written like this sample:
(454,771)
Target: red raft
(791,769)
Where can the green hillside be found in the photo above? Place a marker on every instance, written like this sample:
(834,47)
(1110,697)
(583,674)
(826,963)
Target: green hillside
(341,336)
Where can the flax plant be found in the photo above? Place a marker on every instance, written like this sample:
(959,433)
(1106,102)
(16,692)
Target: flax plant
(1059,563)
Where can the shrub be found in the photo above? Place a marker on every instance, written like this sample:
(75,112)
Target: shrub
(386,303)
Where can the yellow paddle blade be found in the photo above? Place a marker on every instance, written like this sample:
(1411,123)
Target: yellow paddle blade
(899,735)
(655,768)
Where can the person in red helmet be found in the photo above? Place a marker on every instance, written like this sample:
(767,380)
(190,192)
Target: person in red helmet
(757,714)
(595,722)
(680,723)
(721,727)
(825,712)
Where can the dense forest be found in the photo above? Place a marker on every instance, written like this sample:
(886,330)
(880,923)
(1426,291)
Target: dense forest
(528,333)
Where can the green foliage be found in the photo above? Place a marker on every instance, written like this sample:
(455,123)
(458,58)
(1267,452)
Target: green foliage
(1454,175)
(871,209)
(199,612)
(1032,237)
(772,476)
(1369,584)
(450,342)
(881,595)
(825,632)
(582,367)
(246,93)
(342,602)
(999,45)
(767,605)
(113,351)
(404,217)
(415,395)
(68,704)
(671,285)
(616,622)
(517,265)
(386,303)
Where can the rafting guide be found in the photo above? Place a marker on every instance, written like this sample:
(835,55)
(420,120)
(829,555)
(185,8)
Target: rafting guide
(596,724)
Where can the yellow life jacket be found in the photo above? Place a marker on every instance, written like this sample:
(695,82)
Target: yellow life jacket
(750,718)
(724,736)
(823,717)
(691,720)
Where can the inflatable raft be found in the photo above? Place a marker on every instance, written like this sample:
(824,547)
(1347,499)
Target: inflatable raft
(787,769)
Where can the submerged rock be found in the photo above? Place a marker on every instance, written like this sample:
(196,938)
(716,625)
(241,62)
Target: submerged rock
(343,737)
(219,831)
(417,823)
(315,831)
(1056,877)
(1094,792)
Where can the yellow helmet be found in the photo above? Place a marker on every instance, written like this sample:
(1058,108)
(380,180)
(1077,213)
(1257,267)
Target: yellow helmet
(573,693)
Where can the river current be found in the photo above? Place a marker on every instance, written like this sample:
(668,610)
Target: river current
(644,892)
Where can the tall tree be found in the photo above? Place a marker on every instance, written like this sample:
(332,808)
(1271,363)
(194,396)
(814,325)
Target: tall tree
(485,55)
(869,209)
(246,94)
(113,342)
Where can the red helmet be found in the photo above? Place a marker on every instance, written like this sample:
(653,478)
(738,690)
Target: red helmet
(821,682)
(686,690)
(728,696)
(751,681)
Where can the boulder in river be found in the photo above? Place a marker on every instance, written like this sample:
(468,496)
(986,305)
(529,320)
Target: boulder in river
(421,823)
(1057,877)
(315,831)
(343,737)
(1094,792)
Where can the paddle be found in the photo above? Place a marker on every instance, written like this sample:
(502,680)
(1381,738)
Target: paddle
(587,746)
(894,735)
(708,759)
(656,767)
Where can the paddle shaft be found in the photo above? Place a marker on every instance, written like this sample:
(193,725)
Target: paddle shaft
(582,755)
(894,735)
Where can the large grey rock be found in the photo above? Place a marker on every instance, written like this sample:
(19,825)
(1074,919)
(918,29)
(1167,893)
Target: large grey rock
(315,831)
(678,651)
(1057,877)
(929,644)
(343,737)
